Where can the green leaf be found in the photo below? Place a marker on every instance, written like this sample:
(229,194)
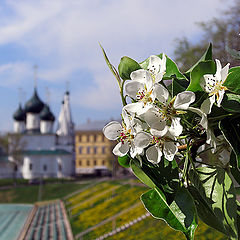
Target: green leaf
(230,127)
(124,161)
(164,175)
(111,67)
(231,102)
(206,56)
(215,199)
(202,68)
(126,67)
(232,81)
(180,214)
(139,173)
(172,70)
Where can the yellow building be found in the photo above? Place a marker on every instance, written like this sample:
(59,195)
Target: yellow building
(93,152)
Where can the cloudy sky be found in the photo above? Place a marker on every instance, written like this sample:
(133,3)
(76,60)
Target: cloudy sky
(61,37)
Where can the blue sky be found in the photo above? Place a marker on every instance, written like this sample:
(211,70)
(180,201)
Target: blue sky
(61,37)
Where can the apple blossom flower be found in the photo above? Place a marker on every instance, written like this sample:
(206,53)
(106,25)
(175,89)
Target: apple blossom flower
(142,85)
(163,117)
(157,145)
(124,133)
(157,67)
(142,90)
(213,85)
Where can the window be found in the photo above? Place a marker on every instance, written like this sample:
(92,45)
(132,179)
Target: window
(59,167)
(79,138)
(95,138)
(95,150)
(15,168)
(80,163)
(87,138)
(103,150)
(103,162)
(88,150)
(88,163)
(103,138)
(30,166)
(80,150)
(95,162)
(44,167)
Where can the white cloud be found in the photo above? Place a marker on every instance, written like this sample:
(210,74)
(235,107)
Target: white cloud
(14,74)
(62,36)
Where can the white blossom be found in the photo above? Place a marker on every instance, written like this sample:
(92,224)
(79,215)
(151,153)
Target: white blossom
(124,133)
(164,116)
(157,145)
(213,85)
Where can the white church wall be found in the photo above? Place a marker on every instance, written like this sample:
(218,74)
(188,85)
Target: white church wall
(64,166)
(32,121)
(19,126)
(48,166)
(39,142)
(46,127)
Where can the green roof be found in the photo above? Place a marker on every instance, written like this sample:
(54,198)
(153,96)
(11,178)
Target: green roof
(46,152)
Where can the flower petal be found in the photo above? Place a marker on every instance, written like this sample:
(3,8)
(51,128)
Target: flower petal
(142,139)
(154,154)
(220,98)
(206,106)
(176,127)
(121,149)
(204,121)
(183,100)
(154,64)
(169,150)
(112,130)
(219,69)
(133,87)
(161,92)
(140,75)
(224,73)
(134,151)
(137,108)
(208,82)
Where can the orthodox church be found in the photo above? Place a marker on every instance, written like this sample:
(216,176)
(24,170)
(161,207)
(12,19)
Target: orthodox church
(37,150)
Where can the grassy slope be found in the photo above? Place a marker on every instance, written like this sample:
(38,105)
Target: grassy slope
(149,228)
(29,194)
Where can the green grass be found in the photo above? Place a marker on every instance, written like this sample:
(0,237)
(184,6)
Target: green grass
(10,181)
(152,229)
(29,194)
(105,205)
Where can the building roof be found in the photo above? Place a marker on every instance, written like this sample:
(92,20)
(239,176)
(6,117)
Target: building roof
(96,125)
(20,114)
(13,218)
(34,104)
(46,114)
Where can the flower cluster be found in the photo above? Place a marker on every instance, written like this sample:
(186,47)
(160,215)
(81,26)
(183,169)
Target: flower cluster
(152,121)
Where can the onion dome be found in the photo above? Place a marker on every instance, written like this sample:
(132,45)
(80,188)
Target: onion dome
(46,114)
(34,105)
(20,114)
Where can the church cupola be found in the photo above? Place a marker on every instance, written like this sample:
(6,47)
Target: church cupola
(32,108)
(19,117)
(46,120)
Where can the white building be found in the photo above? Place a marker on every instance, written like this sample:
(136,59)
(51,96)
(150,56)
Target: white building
(36,149)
